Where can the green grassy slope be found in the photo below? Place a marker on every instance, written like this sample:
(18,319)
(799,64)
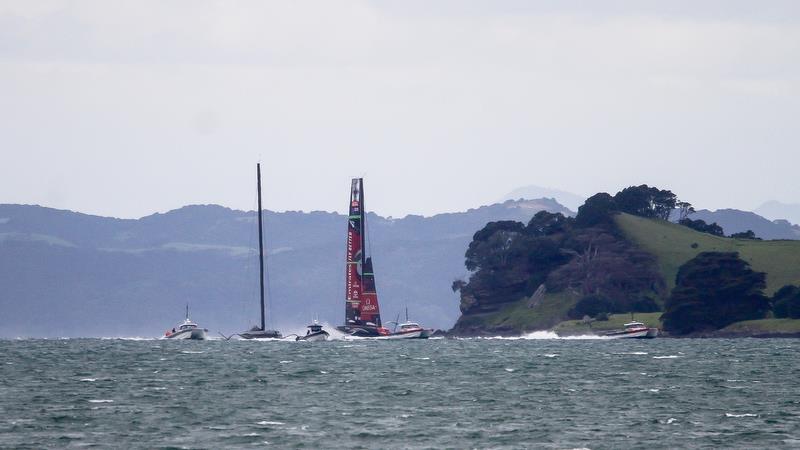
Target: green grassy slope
(672,246)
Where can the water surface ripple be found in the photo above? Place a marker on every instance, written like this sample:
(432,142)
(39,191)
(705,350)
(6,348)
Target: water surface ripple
(471,393)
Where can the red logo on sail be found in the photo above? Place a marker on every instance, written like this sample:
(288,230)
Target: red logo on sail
(367,306)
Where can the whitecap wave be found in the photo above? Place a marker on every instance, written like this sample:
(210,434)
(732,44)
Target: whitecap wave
(740,415)
(666,357)
(270,422)
(129,338)
(102,400)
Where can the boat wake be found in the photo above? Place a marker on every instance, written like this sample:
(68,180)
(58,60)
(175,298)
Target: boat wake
(129,338)
(544,335)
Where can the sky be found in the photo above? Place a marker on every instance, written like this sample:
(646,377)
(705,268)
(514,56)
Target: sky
(127,108)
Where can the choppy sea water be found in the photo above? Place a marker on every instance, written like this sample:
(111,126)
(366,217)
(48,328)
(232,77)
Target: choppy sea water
(471,393)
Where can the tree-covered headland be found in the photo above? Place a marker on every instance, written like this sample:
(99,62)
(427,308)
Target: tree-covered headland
(588,267)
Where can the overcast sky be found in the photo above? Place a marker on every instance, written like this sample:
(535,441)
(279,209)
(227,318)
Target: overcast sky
(129,108)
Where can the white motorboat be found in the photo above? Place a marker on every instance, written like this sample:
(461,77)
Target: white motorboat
(634,330)
(314,333)
(410,330)
(186,330)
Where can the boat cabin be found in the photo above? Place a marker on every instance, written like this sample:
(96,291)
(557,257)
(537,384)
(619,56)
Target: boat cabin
(187,325)
(408,326)
(634,326)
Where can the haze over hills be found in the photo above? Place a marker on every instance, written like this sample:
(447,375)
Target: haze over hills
(568,199)
(71,274)
(737,221)
(772,220)
(769,221)
(775,210)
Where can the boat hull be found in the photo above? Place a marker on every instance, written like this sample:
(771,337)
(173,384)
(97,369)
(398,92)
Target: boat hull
(261,334)
(197,334)
(648,333)
(314,337)
(417,334)
(360,331)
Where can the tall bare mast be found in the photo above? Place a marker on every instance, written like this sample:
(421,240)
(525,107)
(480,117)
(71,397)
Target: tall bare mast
(260,248)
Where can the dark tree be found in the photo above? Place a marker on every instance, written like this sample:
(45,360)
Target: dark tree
(597,209)
(646,201)
(663,202)
(644,305)
(786,302)
(634,200)
(592,306)
(458,285)
(712,291)
(510,261)
(703,227)
(685,209)
(749,234)
(490,246)
(545,224)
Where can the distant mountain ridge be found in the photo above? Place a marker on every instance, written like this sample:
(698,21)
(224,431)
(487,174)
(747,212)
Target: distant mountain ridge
(737,221)
(568,199)
(775,210)
(71,274)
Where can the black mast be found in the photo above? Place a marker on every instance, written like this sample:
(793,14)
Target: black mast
(363,227)
(260,247)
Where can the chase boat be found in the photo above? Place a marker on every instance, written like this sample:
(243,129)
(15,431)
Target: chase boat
(187,330)
(410,330)
(634,330)
(314,333)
